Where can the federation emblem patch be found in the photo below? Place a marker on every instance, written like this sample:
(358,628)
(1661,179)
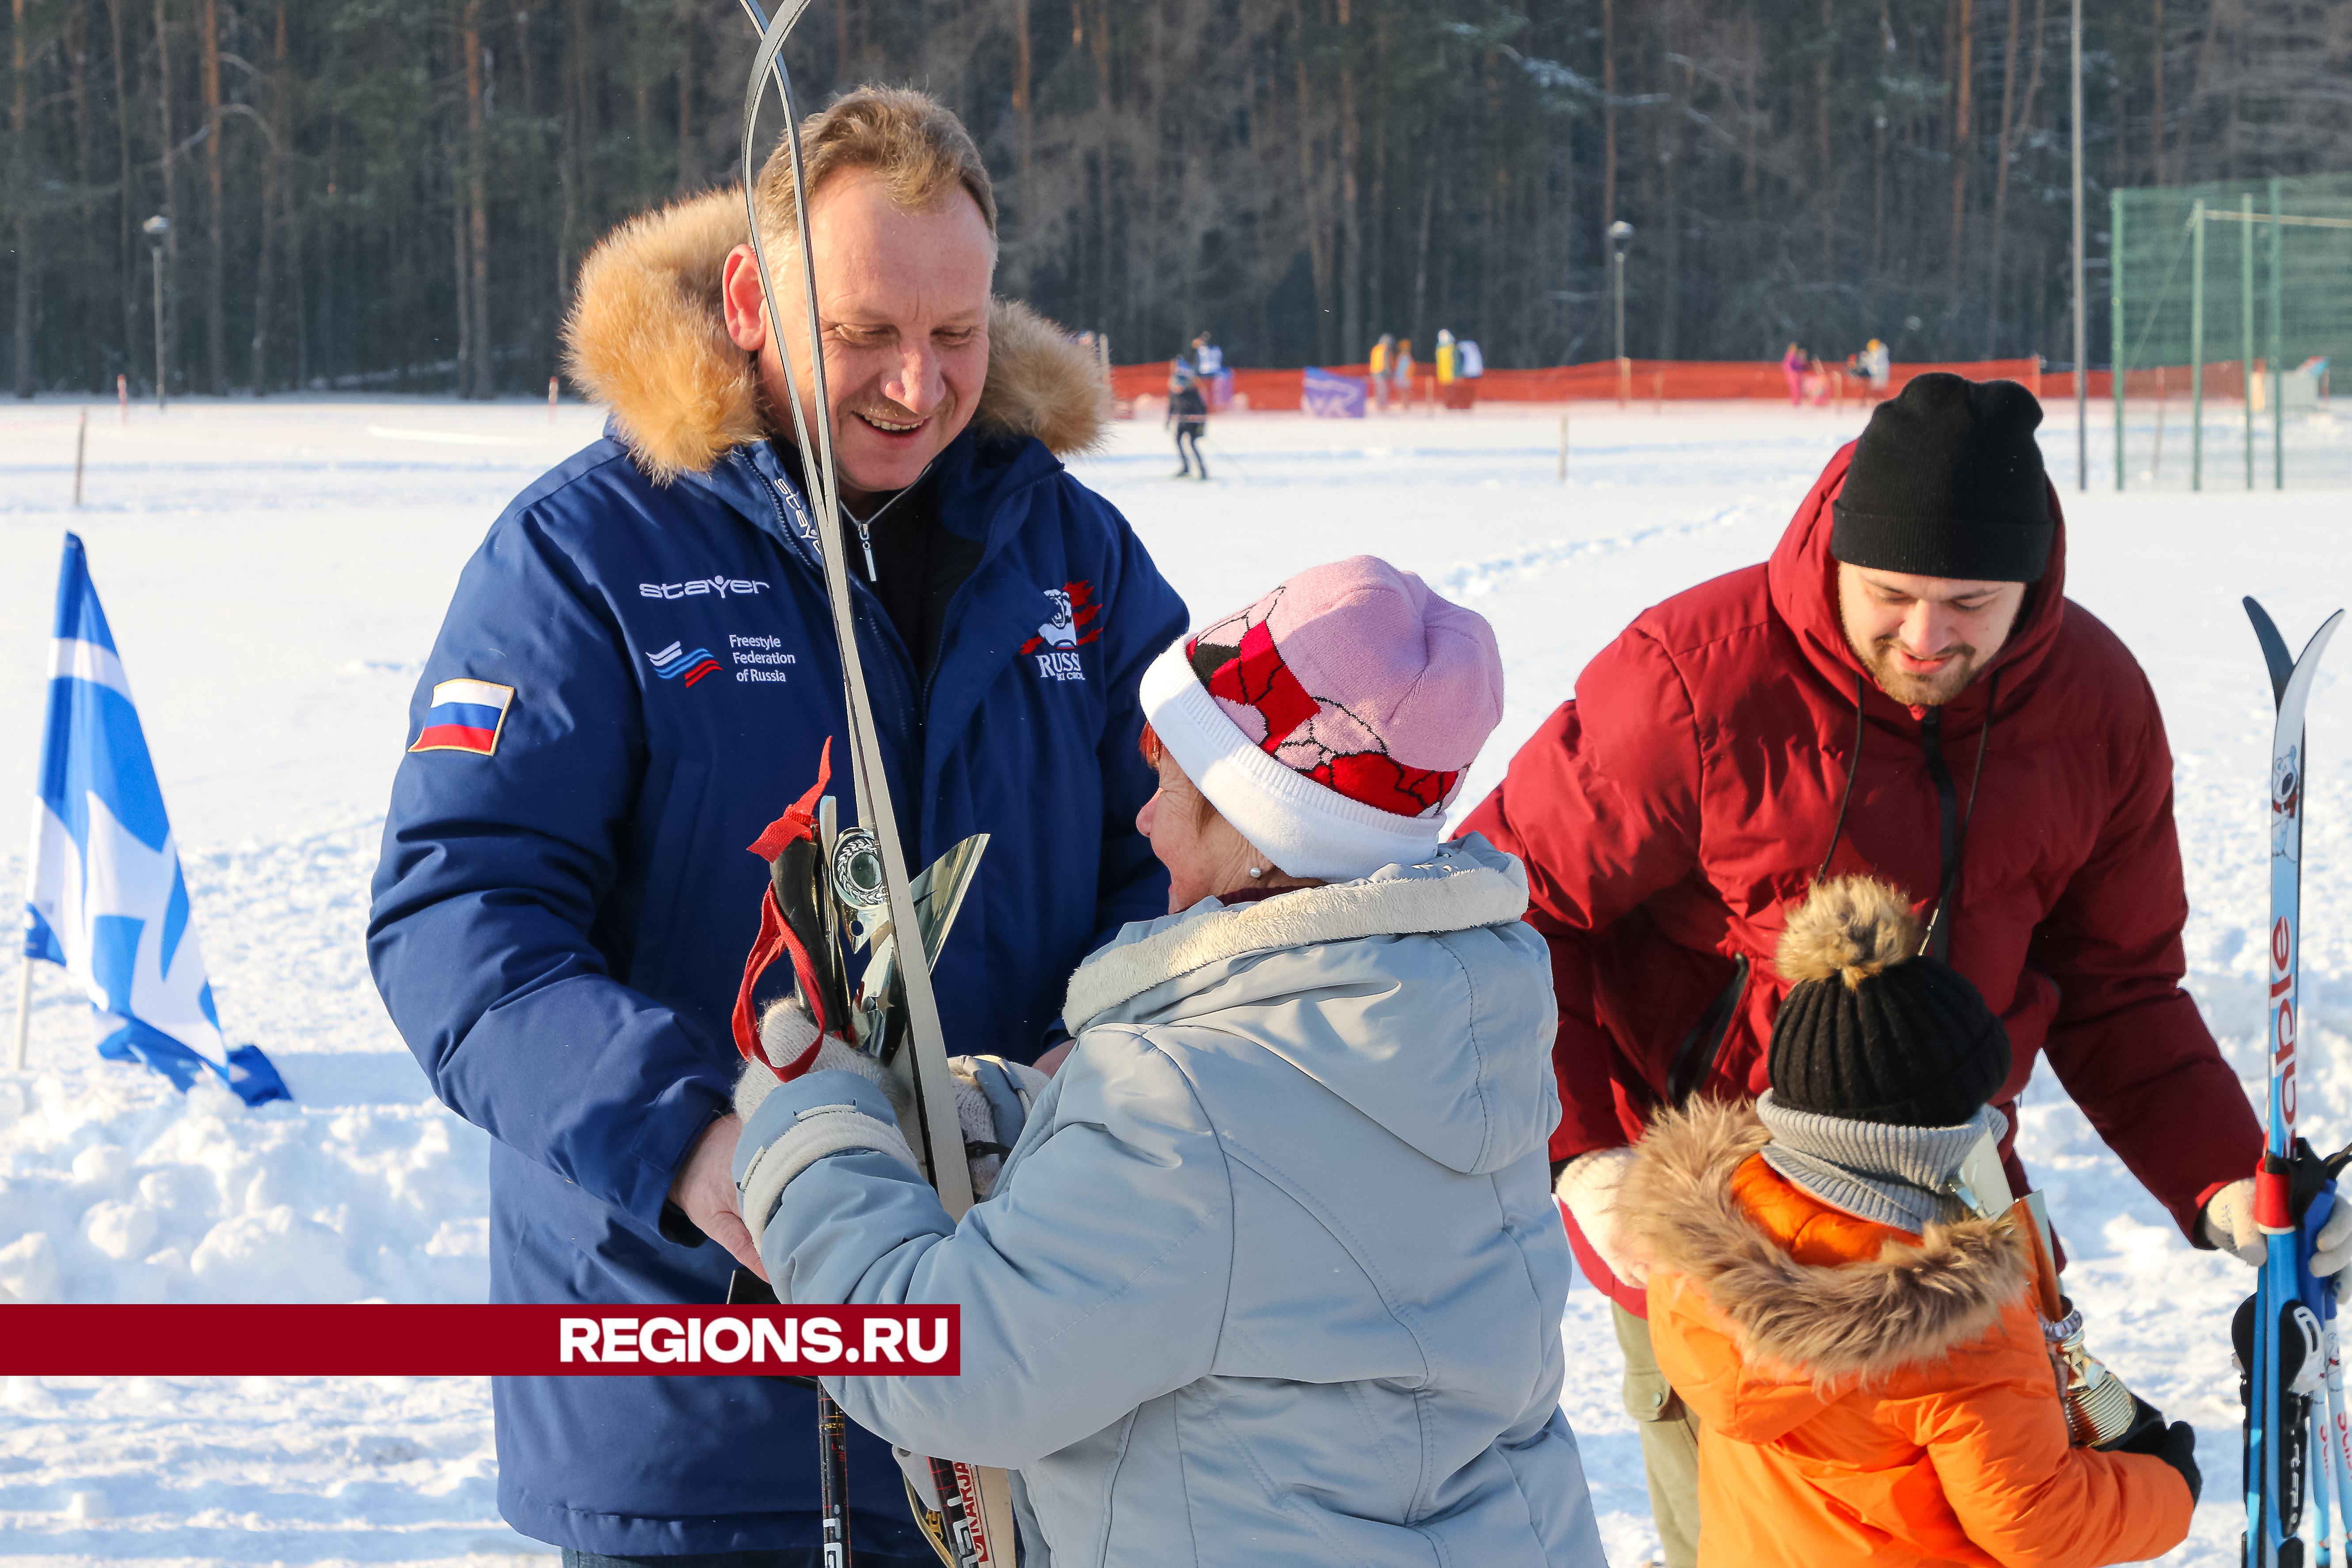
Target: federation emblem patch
(465,716)
(671,663)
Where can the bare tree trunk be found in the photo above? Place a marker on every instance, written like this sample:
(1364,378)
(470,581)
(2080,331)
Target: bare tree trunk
(1608,136)
(1352,217)
(165,356)
(126,260)
(1318,246)
(1821,114)
(1376,273)
(477,281)
(77,46)
(642,81)
(574,165)
(1022,110)
(1421,258)
(1104,119)
(463,381)
(2196,91)
(216,272)
(20,196)
(1878,201)
(1751,116)
(2156,113)
(2002,146)
(1966,72)
(1669,161)
(265,291)
(292,230)
(689,165)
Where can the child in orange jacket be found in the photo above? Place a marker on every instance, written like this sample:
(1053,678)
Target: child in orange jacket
(1869,1372)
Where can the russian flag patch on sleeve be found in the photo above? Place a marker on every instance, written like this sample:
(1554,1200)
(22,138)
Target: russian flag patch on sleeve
(465,716)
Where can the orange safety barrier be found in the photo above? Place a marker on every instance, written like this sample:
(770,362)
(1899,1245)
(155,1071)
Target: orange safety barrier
(1652,381)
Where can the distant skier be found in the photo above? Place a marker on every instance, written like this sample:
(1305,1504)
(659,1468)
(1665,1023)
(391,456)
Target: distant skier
(1377,367)
(1792,370)
(1869,1369)
(1216,381)
(1876,365)
(1902,690)
(1188,411)
(1270,1274)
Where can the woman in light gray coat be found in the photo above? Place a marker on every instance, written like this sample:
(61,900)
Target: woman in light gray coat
(1272,1274)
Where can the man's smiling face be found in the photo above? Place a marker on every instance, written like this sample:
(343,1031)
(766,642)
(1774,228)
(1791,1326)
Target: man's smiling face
(902,300)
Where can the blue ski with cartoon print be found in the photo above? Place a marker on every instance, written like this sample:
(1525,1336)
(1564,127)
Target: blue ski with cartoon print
(2281,1342)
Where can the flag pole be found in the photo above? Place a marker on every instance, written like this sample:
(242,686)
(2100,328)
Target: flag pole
(24,1008)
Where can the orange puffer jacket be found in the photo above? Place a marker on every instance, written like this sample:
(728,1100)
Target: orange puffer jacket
(1867,1395)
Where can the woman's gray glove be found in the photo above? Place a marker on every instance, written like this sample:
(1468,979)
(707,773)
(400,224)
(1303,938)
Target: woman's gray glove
(994,1097)
(993,1101)
(773,1149)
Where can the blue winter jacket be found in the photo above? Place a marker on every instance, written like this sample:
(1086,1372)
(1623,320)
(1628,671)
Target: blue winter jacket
(560,924)
(1273,1274)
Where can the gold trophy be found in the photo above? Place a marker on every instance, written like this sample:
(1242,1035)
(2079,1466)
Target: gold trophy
(2100,1411)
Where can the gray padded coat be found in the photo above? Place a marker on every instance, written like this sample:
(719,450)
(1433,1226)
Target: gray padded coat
(1273,1274)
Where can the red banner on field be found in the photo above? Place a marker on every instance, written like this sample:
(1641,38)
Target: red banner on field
(478,1342)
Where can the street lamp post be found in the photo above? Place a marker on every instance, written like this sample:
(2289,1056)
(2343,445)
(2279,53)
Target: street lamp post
(1620,235)
(2082,331)
(157,229)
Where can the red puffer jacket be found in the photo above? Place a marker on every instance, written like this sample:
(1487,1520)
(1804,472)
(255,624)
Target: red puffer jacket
(1674,810)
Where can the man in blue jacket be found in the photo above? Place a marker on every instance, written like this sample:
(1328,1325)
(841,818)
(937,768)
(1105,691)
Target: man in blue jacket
(639,672)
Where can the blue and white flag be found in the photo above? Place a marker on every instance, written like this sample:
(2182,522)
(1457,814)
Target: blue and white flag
(108,900)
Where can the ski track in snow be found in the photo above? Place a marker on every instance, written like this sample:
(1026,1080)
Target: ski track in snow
(1476,578)
(293,528)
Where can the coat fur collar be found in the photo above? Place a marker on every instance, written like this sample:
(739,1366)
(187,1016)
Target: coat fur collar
(1454,891)
(1863,1320)
(646,338)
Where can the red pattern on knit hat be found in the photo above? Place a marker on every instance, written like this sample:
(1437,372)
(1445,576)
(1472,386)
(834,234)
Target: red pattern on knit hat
(1382,781)
(1255,675)
(1258,678)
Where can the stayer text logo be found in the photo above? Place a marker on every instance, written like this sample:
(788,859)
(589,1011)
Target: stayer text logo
(722,585)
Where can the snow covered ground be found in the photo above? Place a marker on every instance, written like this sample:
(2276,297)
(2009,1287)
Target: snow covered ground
(274,572)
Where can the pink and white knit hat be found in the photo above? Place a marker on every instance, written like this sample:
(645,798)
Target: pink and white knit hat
(1332,722)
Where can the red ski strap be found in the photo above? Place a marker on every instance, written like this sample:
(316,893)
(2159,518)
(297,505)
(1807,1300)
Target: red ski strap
(799,820)
(777,937)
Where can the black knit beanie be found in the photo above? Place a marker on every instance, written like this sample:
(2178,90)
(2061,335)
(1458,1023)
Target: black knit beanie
(1869,1032)
(1946,482)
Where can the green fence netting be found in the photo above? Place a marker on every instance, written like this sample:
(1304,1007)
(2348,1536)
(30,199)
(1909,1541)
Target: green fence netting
(2229,302)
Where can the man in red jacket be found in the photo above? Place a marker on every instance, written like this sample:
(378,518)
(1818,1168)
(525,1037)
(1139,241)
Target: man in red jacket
(1902,690)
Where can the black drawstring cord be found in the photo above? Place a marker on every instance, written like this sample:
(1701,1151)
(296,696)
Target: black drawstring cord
(1853,770)
(1950,890)
(1976,783)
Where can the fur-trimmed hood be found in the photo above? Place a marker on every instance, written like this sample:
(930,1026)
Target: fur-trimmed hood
(1801,1326)
(646,338)
(1417,994)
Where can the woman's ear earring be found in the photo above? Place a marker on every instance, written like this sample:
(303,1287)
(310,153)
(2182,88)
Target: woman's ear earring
(1257,870)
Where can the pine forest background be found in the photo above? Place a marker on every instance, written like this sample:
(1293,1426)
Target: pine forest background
(395,194)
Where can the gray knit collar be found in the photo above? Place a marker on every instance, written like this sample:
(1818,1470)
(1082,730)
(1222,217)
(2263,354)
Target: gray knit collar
(1895,1176)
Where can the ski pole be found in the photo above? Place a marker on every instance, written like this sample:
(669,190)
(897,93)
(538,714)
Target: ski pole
(2322,1482)
(1225,456)
(832,1479)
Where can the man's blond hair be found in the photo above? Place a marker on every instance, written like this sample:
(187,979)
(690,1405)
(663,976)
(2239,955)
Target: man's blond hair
(912,140)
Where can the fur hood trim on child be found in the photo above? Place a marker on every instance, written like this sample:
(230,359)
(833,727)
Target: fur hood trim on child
(1864,1318)
(647,337)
